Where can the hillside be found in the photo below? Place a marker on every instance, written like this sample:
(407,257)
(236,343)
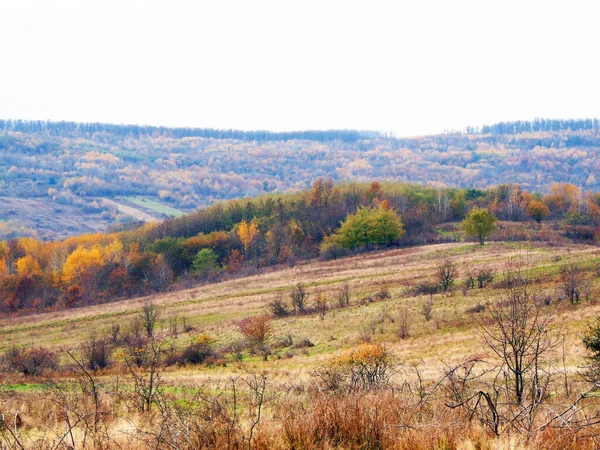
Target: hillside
(237,238)
(92,173)
(384,309)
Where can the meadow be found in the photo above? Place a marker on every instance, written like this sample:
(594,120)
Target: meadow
(280,393)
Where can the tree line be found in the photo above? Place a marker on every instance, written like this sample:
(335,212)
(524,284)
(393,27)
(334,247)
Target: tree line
(65,128)
(537,125)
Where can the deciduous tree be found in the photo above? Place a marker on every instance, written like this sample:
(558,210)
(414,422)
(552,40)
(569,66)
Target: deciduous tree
(479,223)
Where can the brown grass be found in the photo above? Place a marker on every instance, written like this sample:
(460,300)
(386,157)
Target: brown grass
(313,419)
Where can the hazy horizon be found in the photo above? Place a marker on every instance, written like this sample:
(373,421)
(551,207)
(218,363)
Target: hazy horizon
(411,69)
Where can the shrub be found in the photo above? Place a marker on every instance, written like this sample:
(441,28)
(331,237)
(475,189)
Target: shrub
(368,366)
(321,304)
(591,340)
(30,362)
(382,294)
(278,308)
(343,295)
(257,330)
(149,315)
(404,322)
(303,343)
(331,250)
(96,352)
(426,288)
(200,350)
(478,308)
(485,276)
(427,309)
(299,296)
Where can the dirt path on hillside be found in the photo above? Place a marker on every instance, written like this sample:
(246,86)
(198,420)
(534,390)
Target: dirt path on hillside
(133,212)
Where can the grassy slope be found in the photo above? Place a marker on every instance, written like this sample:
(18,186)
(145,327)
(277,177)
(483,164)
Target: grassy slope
(153,205)
(449,337)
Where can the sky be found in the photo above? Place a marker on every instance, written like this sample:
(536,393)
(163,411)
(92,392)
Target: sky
(407,67)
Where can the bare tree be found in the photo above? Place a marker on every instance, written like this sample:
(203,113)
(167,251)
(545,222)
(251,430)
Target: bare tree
(571,278)
(149,315)
(147,384)
(446,274)
(520,333)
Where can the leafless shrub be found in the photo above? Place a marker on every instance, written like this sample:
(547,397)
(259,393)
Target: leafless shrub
(304,343)
(299,297)
(471,278)
(96,352)
(278,307)
(427,309)
(485,276)
(147,383)
(404,322)
(382,294)
(478,308)
(343,295)
(221,416)
(426,288)
(29,361)
(115,334)
(174,325)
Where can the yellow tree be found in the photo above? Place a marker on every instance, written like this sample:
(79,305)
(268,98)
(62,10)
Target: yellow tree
(27,265)
(248,233)
(3,268)
(113,251)
(80,260)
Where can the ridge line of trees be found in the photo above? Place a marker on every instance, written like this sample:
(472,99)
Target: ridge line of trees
(538,124)
(62,128)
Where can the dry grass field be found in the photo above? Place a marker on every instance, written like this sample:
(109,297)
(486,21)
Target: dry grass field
(384,308)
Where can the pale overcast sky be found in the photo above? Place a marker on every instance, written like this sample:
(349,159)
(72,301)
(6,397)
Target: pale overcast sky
(410,67)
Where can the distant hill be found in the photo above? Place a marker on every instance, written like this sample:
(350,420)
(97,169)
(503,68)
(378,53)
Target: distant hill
(101,173)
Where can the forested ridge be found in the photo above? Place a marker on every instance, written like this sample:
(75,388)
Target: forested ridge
(241,236)
(80,169)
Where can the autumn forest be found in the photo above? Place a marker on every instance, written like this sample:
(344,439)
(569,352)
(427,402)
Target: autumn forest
(61,179)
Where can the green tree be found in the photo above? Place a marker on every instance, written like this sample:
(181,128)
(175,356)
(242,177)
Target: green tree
(479,223)
(205,262)
(370,227)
